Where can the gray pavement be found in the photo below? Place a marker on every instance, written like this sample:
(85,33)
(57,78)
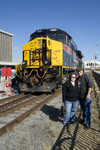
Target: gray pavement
(4,91)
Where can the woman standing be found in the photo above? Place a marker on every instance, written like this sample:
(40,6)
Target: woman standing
(71,99)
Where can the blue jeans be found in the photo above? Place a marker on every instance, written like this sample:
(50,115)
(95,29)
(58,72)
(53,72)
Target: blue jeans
(86,108)
(71,108)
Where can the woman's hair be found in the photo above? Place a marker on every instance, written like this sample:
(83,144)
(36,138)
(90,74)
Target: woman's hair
(73,73)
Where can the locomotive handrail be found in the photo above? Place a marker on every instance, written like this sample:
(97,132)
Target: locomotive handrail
(59,71)
(16,67)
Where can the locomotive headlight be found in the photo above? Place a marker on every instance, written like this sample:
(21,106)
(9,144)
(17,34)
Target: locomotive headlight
(46,62)
(24,63)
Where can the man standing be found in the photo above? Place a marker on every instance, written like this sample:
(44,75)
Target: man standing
(85,97)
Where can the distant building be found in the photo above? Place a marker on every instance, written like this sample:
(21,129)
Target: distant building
(6,50)
(5,46)
(92,64)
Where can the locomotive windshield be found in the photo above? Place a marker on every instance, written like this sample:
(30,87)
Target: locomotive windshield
(55,34)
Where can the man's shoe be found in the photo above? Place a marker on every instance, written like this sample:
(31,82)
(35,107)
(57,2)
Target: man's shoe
(65,124)
(87,127)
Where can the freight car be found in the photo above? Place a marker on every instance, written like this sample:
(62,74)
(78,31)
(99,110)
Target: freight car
(47,58)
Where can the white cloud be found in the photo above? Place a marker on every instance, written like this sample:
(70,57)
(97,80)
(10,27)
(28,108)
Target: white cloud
(15,47)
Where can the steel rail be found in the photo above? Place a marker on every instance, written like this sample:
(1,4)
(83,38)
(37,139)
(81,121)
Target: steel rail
(11,98)
(13,102)
(22,104)
(9,126)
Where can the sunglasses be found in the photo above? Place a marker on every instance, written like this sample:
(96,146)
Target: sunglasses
(73,77)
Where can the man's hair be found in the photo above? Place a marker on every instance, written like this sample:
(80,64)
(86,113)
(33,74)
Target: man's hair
(78,70)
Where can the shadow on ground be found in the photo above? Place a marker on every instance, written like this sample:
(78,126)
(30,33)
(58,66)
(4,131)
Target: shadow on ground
(69,137)
(52,112)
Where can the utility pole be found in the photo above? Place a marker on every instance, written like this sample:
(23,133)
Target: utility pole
(95,56)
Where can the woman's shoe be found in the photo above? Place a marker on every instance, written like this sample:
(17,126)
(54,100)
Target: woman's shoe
(82,122)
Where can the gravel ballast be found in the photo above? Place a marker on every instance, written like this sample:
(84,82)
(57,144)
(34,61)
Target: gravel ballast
(44,130)
(38,132)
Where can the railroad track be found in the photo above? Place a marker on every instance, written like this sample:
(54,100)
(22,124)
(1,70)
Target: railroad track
(15,109)
(4,100)
(97,78)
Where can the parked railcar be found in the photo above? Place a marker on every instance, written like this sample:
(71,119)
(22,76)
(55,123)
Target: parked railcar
(47,59)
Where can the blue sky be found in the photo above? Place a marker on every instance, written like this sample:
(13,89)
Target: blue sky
(79,18)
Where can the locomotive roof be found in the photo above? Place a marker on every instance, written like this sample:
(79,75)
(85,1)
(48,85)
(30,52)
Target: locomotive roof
(55,34)
(45,32)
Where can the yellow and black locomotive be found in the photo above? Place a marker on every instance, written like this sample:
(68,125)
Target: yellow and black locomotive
(47,58)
